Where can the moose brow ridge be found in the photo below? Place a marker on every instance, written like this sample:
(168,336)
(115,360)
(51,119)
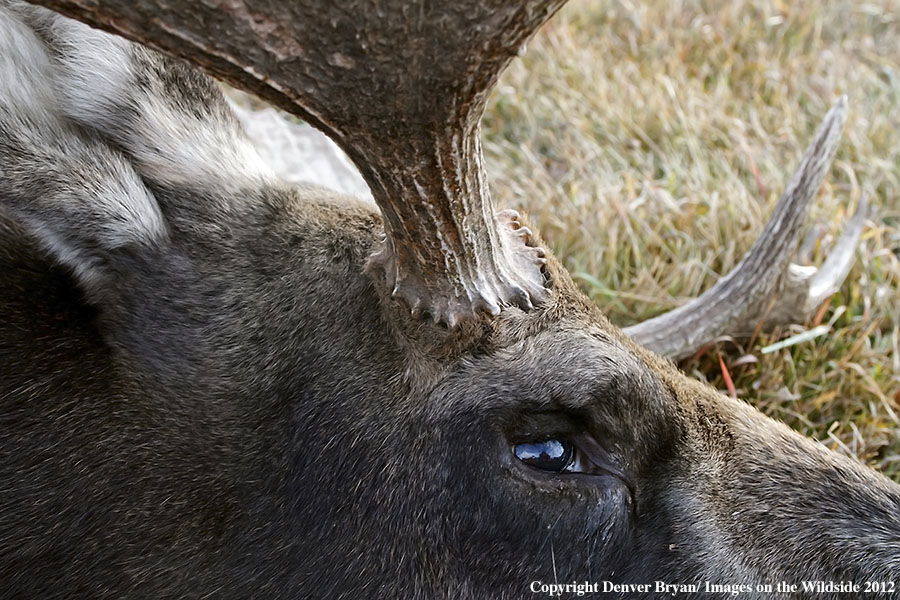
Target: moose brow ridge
(572,373)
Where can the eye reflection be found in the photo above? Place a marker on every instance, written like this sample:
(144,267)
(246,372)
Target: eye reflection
(554,454)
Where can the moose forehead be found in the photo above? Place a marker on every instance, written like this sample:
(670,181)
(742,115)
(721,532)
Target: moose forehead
(577,371)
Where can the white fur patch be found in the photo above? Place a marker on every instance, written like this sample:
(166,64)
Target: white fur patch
(80,197)
(25,70)
(181,150)
(96,76)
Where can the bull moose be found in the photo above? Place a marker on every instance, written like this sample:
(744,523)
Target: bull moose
(217,385)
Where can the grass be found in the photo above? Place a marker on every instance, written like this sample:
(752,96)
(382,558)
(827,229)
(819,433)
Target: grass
(649,142)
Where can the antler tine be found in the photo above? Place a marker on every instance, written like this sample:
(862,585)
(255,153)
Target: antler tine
(401,87)
(804,288)
(763,286)
(827,280)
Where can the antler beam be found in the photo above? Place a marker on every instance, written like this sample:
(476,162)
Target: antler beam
(401,87)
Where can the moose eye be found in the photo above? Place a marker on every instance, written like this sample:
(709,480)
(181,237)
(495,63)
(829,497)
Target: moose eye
(557,455)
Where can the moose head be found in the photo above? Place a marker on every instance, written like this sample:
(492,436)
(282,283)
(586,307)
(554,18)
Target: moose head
(219,385)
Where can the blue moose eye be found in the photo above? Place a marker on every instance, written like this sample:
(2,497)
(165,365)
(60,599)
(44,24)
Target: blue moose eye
(557,455)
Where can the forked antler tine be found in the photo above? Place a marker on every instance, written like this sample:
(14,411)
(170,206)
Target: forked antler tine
(803,290)
(828,279)
(401,87)
(744,296)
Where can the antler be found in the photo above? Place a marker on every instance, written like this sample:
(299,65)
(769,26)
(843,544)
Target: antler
(785,293)
(401,87)
(765,286)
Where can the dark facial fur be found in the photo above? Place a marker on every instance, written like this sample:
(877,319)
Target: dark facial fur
(205,395)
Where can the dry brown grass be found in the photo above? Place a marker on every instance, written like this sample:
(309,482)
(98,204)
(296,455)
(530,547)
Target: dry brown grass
(649,142)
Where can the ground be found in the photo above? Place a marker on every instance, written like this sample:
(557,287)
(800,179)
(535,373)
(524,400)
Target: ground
(650,140)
